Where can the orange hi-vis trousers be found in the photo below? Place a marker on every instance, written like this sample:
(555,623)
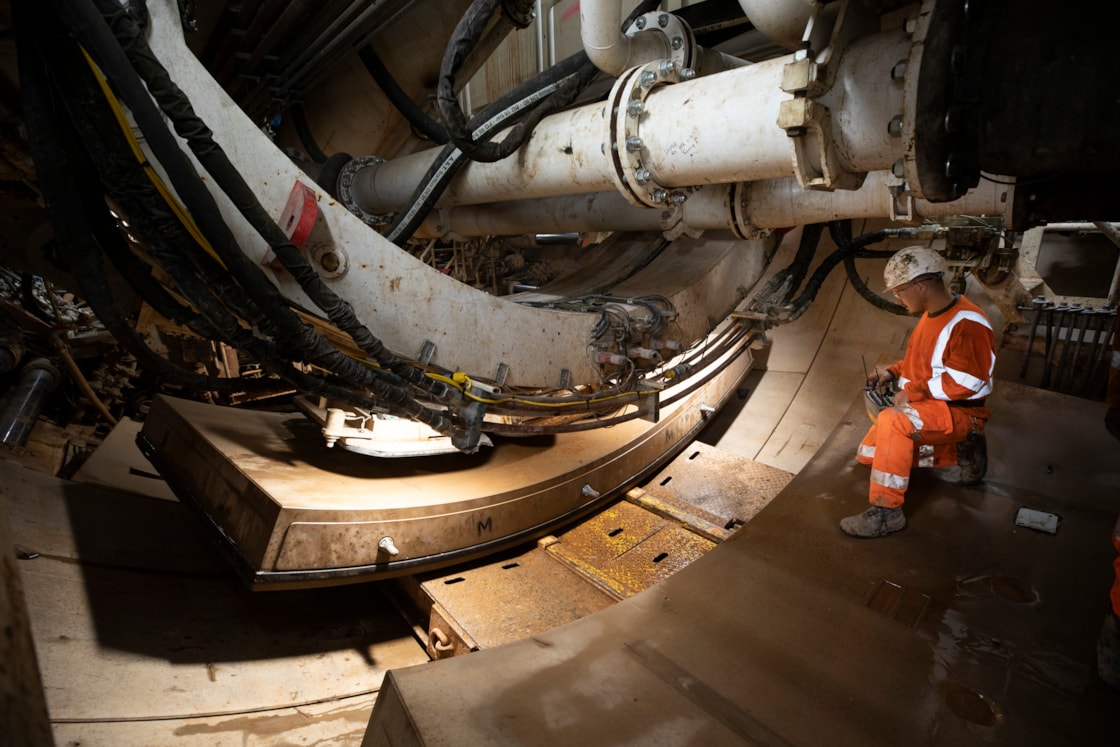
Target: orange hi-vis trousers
(917,434)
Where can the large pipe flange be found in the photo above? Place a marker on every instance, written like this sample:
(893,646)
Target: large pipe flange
(346,179)
(741,226)
(633,174)
(682,42)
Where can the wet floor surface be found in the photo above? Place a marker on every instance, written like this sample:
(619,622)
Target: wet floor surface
(962,629)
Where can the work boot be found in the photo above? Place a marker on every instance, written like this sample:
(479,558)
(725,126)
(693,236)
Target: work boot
(874,522)
(972,456)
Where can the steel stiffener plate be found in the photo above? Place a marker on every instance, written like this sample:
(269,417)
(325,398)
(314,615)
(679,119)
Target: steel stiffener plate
(294,511)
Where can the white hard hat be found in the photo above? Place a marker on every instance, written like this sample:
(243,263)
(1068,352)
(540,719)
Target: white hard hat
(910,263)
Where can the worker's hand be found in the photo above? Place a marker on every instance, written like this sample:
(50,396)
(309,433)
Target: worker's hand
(900,398)
(880,380)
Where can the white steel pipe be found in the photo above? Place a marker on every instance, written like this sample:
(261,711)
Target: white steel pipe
(721,128)
(782,21)
(781,202)
(607,47)
(777,203)
(708,209)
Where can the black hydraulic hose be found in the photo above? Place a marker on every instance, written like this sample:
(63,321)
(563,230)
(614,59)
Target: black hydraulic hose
(303,131)
(566,75)
(416,116)
(200,139)
(810,240)
(54,165)
(564,81)
(841,233)
(848,248)
(134,194)
(93,122)
(790,277)
(84,21)
(463,40)
(56,161)
(90,28)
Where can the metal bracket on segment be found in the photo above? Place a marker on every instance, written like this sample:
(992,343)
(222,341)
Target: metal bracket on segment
(815,162)
(902,204)
(808,123)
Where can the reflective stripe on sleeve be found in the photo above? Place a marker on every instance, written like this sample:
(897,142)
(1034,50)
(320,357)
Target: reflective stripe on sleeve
(887,480)
(866,451)
(979,387)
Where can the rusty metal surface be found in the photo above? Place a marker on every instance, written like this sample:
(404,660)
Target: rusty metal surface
(729,486)
(510,599)
(707,525)
(625,549)
(298,513)
(962,629)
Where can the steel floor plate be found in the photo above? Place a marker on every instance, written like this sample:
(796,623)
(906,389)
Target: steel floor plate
(727,485)
(963,629)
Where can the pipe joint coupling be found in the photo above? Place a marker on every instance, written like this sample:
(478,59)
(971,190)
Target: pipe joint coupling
(679,39)
(632,173)
(352,181)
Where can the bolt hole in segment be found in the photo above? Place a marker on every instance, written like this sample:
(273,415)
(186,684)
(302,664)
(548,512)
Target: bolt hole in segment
(660,557)
(509,566)
(456,580)
(614,532)
(666,481)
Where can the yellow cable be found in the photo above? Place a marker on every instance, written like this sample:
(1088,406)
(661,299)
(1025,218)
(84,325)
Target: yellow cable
(461,381)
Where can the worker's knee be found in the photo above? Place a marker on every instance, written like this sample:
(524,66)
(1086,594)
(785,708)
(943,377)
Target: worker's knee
(895,421)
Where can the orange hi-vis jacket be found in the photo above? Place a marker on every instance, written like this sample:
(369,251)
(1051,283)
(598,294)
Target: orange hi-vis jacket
(946,374)
(950,356)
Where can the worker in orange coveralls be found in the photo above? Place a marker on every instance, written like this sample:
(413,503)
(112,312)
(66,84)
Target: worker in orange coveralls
(938,415)
(1108,647)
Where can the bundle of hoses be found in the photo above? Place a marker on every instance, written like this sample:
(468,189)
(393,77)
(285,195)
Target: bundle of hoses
(83,159)
(778,293)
